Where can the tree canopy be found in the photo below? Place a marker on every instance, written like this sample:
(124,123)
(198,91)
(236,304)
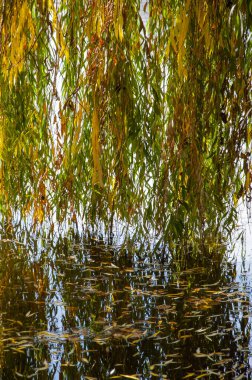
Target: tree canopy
(103,116)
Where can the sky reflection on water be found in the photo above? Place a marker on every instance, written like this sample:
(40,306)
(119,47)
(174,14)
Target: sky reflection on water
(74,309)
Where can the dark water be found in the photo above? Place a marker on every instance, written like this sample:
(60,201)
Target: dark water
(77,309)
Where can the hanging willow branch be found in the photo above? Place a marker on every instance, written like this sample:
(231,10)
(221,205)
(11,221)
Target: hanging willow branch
(102,115)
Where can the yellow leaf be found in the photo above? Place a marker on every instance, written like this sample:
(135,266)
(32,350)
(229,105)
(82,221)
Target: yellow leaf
(203,375)
(1,139)
(235,200)
(173,43)
(191,374)
(116,29)
(167,50)
(97,170)
(120,27)
(248,181)
(67,54)
(249,134)
(99,26)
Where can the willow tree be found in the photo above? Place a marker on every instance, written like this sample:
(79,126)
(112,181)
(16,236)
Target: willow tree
(103,116)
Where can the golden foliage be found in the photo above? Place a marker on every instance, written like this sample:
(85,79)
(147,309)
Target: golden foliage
(96,149)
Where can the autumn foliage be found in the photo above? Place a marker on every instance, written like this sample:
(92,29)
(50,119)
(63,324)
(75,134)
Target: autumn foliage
(104,117)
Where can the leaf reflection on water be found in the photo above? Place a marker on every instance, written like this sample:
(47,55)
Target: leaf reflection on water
(91,314)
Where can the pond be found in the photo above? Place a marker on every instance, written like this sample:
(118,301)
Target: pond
(75,308)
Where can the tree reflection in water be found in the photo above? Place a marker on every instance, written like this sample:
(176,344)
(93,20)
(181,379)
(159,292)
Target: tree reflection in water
(74,309)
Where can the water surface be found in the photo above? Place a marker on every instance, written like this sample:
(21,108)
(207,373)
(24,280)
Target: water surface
(73,308)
